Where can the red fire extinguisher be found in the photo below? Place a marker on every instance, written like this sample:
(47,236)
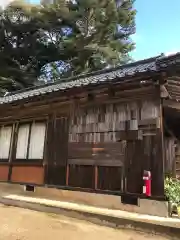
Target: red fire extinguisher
(147,183)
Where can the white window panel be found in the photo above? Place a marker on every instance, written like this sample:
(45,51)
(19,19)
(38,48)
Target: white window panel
(22,143)
(5,141)
(37,139)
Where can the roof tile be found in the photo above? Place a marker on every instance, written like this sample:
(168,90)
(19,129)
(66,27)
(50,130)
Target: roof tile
(152,64)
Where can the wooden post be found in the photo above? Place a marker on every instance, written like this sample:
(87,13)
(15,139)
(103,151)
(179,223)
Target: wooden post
(96,177)
(162,134)
(67,175)
(14,130)
(158,163)
(12,148)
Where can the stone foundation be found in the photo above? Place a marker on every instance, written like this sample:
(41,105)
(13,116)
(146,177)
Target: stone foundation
(145,206)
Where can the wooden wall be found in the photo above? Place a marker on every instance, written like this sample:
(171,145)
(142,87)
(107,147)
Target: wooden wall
(57,151)
(103,146)
(170,155)
(177,160)
(113,143)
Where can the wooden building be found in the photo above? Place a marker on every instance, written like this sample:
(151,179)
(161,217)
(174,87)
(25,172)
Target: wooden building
(95,132)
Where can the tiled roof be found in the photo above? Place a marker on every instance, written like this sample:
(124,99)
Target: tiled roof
(147,65)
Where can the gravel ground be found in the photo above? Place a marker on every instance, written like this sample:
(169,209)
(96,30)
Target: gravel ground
(24,224)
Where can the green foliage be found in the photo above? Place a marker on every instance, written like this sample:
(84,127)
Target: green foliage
(63,39)
(18,44)
(172,190)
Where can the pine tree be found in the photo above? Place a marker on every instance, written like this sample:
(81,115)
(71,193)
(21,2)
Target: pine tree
(97,33)
(17,36)
(62,39)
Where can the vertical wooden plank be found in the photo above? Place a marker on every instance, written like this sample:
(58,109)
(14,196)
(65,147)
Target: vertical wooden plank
(170,155)
(162,136)
(157,167)
(96,176)
(81,176)
(49,154)
(150,109)
(133,167)
(177,161)
(57,151)
(109,178)
(158,161)
(14,146)
(12,149)
(60,150)
(60,141)
(29,139)
(67,175)
(12,142)
(45,145)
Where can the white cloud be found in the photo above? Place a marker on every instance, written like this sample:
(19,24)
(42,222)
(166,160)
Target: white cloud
(170,53)
(136,38)
(4,3)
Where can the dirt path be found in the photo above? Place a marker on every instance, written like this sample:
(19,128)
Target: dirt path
(23,224)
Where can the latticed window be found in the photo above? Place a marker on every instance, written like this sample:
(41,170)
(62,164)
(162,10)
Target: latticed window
(5,142)
(30,142)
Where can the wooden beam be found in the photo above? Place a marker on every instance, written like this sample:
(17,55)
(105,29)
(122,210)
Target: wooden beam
(60,105)
(146,122)
(93,162)
(126,83)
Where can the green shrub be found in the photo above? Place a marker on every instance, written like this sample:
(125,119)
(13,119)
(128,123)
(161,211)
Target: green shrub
(172,190)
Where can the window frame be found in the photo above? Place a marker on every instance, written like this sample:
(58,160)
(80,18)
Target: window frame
(7,160)
(28,160)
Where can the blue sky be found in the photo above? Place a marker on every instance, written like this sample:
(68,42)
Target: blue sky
(158,27)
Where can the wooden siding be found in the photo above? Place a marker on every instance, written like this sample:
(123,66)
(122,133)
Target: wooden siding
(116,142)
(4,172)
(170,155)
(82,176)
(57,150)
(27,174)
(110,178)
(176,162)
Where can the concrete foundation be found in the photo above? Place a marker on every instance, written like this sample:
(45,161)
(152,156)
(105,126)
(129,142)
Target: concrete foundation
(145,206)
